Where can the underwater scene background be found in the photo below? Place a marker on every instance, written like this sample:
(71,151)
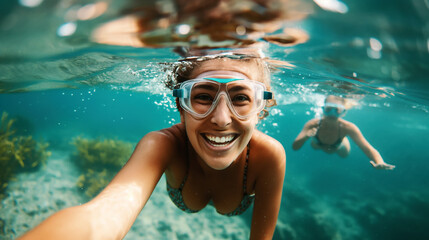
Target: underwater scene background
(75,110)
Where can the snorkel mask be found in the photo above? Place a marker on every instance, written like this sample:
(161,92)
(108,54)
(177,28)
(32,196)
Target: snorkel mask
(200,96)
(334,110)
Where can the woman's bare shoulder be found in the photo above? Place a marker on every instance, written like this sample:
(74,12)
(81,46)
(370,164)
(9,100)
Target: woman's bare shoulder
(175,131)
(174,136)
(267,147)
(313,122)
(348,126)
(268,157)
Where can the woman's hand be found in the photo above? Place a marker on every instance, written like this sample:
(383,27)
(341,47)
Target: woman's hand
(382,166)
(311,132)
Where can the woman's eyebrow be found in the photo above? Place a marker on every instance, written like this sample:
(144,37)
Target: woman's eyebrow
(237,88)
(206,87)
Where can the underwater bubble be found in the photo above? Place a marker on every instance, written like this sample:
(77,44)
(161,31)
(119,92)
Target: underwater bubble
(30,3)
(332,5)
(67,29)
(375,44)
(373,54)
(240,30)
(183,29)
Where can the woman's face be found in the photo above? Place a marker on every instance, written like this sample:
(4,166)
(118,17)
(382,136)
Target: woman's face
(221,137)
(334,108)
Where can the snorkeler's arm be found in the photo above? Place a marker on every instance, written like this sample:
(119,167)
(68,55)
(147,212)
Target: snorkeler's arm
(111,214)
(309,130)
(375,158)
(268,189)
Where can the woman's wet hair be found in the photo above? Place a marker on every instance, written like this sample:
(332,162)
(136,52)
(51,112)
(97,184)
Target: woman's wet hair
(183,71)
(336,98)
(347,103)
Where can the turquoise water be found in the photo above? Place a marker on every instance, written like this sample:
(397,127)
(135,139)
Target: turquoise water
(67,87)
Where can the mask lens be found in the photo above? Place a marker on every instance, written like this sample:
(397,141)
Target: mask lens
(203,95)
(243,97)
(331,109)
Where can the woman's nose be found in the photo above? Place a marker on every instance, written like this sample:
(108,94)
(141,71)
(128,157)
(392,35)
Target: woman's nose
(221,115)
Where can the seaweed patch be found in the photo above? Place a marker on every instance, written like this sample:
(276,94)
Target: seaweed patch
(99,160)
(18,153)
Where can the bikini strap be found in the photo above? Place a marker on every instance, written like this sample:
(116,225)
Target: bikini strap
(245,170)
(318,127)
(187,163)
(183,182)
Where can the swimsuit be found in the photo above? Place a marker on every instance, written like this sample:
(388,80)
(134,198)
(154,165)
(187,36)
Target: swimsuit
(177,198)
(334,145)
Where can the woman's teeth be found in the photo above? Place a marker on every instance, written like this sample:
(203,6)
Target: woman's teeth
(220,140)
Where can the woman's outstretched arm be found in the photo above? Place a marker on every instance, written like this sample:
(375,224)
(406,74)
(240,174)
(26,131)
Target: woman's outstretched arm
(111,214)
(375,158)
(309,130)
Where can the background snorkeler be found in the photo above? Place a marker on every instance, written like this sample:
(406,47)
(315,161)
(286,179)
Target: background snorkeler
(215,155)
(330,132)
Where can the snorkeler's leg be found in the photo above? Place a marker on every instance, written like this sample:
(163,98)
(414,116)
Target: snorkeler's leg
(344,149)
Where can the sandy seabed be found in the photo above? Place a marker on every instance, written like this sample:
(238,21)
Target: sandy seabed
(32,197)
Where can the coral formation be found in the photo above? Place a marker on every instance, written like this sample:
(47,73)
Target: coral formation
(100,160)
(18,153)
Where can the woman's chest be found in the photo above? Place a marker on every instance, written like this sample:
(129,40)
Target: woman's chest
(225,193)
(329,133)
(224,190)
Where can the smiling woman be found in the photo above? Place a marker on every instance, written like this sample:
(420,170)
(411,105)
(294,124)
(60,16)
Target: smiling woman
(214,156)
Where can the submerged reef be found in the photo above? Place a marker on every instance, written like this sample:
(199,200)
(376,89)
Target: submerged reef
(350,215)
(18,153)
(99,160)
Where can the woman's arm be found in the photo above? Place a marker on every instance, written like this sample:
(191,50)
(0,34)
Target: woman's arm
(111,214)
(268,190)
(375,158)
(309,130)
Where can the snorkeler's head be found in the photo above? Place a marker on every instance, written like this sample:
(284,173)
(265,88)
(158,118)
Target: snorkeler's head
(334,106)
(253,68)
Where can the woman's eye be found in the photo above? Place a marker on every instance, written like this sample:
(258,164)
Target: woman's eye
(241,99)
(203,98)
